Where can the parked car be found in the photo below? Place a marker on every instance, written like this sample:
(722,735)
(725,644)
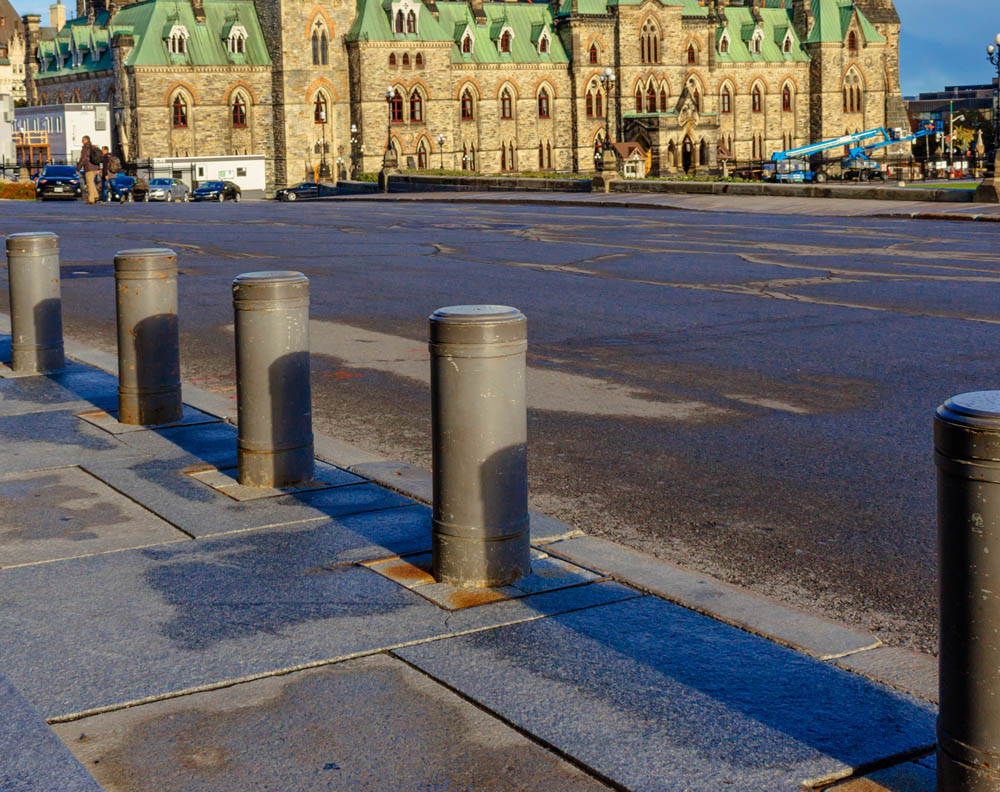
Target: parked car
(126,189)
(217,191)
(168,190)
(304,191)
(59,181)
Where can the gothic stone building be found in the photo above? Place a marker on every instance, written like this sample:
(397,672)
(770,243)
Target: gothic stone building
(482,86)
(12,44)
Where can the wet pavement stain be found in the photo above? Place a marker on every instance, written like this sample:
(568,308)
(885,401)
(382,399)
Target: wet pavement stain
(46,507)
(368,724)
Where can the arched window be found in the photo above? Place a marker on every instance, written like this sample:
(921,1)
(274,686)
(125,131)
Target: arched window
(787,47)
(503,157)
(663,100)
(467,44)
(392,59)
(411,22)
(593,53)
(852,42)
(237,41)
(406,60)
(465,158)
(179,112)
(543,103)
(416,107)
(510,156)
(505,41)
(239,111)
(543,44)
(755,99)
(472,156)
(724,45)
(638,100)
(324,49)
(541,155)
(419,61)
(467,111)
(178,43)
(598,103)
(319,109)
(786,99)
(696,98)
(396,106)
(399,22)
(649,43)
(651,99)
(590,104)
(548,153)
(421,155)
(692,55)
(505,105)
(726,100)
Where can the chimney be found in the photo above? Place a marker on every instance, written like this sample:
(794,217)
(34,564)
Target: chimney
(476,6)
(199,11)
(31,25)
(57,16)
(802,19)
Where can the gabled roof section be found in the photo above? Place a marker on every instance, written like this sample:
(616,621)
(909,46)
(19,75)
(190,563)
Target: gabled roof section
(526,20)
(775,24)
(150,21)
(832,18)
(12,25)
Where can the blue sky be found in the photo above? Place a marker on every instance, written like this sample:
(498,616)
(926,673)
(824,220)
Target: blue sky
(943,41)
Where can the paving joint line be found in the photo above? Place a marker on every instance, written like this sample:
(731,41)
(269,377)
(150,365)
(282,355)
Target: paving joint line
(285,670)
(841,655)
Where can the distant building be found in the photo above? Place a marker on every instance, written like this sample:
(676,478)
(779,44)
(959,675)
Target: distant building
(12,44)
(7,154)
(52,133)
(937,105)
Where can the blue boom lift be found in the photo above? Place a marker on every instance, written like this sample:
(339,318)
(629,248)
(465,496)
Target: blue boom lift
(858,165)
(794,164)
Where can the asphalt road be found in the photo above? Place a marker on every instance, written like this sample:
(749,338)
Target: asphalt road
(746,395)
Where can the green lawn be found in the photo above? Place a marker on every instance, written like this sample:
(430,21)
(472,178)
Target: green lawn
(962,185)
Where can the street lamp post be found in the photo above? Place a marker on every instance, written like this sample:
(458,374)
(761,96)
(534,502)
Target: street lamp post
(389,159)
(324,167)
(354,151)
(608,83)
(988,191)
(440,142)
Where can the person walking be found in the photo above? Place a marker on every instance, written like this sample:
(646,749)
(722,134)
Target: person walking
(105,173)
(90,164)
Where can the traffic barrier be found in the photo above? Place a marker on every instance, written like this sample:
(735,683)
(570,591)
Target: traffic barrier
(480,534)
(149,382)
(275,443)
(35,302)
(967,453)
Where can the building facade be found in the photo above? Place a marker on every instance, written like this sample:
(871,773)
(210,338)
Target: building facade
(12,53)
(480,86)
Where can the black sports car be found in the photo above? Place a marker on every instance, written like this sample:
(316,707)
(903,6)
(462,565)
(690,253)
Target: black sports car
(217,191)
(305,191)
(58,181)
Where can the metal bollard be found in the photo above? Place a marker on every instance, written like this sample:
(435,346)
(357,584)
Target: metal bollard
(275,444)
(967,453)
(149,368)
(480,533)
(35,302)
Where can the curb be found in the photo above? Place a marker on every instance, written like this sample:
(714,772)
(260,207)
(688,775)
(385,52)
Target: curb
(612,204)
(853,650)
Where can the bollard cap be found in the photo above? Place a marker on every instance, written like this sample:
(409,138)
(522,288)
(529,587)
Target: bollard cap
(270,285)
(32,242)
(145,260)
(477,324)
(967,426)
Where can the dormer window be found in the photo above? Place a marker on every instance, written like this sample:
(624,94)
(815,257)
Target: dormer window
(756,41)
(466,44)
(505,39)
(237,40)
(543,43)
(406,17)
(724,43)
(177,40)
(852,42)
(786,47)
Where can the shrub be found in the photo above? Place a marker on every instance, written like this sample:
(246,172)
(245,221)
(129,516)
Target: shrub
(17,191)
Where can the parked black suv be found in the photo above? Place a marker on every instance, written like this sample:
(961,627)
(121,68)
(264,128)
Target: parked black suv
(58,181)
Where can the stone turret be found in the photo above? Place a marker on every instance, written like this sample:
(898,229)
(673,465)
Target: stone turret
(802,19)
(32,22)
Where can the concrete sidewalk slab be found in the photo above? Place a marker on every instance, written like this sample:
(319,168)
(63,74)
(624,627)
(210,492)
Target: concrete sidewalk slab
(66,513)
(77,386)
(108,420)
(104,630)
(368,724)
(32,758)
(34,441)
(661,698)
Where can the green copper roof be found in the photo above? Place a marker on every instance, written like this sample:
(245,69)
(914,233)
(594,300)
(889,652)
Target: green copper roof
(832,18)
(527,22)
(775,25)
(150,21)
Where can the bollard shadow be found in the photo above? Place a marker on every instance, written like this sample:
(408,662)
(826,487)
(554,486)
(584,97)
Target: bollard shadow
(157,369)
(290,414)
